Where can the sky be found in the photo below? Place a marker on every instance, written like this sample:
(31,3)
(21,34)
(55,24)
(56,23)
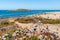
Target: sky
(30,4)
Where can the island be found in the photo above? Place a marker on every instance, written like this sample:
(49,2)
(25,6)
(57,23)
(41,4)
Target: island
(20,10)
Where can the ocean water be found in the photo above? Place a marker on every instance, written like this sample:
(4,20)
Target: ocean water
(7,14)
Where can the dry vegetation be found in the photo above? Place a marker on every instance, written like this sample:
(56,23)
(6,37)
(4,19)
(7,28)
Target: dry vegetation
(26,20)
(29,20)
(34,20)
(50,21)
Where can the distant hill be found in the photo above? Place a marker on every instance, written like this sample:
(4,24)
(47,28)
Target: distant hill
(18,10)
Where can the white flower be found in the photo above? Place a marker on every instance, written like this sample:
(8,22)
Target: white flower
(20,38)
(4,38)
(16,31)
(15,39)
(14,34)
(41,37)
(6,34)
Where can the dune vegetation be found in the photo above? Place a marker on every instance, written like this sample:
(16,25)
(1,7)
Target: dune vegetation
(34,20)
(50,21)
(26,20)
(11,28)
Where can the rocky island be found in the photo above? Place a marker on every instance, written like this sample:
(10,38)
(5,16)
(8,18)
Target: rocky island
(20,10)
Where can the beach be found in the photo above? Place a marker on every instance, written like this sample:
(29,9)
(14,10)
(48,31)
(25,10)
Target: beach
(51,15)
(41,26)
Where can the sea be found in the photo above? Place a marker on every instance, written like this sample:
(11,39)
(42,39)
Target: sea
(7,14)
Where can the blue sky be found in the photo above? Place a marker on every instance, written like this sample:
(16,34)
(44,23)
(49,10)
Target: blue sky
(30,4)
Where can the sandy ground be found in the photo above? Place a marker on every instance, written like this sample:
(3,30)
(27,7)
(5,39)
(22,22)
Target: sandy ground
(51,28)
(51,15)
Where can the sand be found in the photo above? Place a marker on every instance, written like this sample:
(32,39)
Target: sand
(51,15)
(51,28)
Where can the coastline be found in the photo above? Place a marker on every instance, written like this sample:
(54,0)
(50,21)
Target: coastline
(31,25)
(7,14)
